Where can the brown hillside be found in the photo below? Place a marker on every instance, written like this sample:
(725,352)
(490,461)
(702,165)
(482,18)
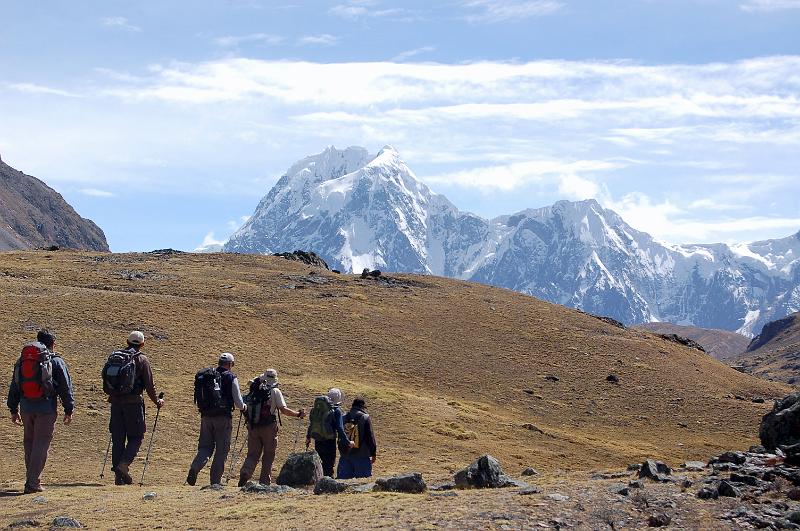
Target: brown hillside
(33,215)
(719,343)
(451,369)
(775,352)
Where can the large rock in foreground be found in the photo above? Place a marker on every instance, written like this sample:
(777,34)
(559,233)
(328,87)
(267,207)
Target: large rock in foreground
(781,426)
(301,470)
(407,483)
(485,473)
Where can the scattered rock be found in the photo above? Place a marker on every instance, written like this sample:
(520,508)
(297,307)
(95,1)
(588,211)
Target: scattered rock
(328,485)
(758,400)
(41,500)
(530,472)
(636,484)
(622,490)
(529,391)
(66,521)
(366,273)
(443,487)
(708,493)
(613,378)
(301,470)
(527,491)
(655,470)
(694,466)
(215,486)
(532,427)
(794,494)
(744,478)
(448,494)
(659,520)
(308,258)
(24,523)
(260,488)
(687,483)
(634,467)
(779,426)
(558,497)
(552,378)
(728,490)
(485,473)
(406,483)
(794,517)
(737,458)
(149,496)
(674,338)
(792,454)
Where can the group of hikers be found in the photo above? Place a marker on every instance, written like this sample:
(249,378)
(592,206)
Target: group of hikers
(41,378)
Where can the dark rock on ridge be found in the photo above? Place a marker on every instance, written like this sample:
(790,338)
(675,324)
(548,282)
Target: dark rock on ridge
(308,258)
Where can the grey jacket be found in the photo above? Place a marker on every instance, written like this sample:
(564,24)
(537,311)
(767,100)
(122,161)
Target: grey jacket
(63,390)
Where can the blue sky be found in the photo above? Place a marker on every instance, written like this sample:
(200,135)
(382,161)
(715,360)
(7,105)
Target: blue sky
(166,122)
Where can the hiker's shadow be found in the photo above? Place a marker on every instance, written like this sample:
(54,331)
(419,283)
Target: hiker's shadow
(78,484)
(10,493)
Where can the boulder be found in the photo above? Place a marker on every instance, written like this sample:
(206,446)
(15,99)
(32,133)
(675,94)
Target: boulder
(328,485)
(659,520)
(792,454)
(612,378)
(260,488)
(655,470)
(708,493)
(727,490)
(781,426)
(301,470)
(485,473)
(66,521)
(694,466)
(406,483)
(530,472)
(308,258)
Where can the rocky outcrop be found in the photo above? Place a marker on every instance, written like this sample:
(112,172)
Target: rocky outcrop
(485,473)
(406,483)
(328,485)
(308,258)
(34,216)
(781,426)
(301,470)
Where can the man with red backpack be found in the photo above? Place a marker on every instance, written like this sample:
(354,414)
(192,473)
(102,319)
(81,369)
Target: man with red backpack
(126,376)
(40,378)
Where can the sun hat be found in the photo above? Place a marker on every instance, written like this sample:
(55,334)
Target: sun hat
(136,338)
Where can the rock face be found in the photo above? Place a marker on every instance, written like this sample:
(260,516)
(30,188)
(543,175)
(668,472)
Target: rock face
(301,470)
(775,352)
(655,470)
(328,485)
(781,426)
(360,211)
(485,473)
(33,216)
(406,483)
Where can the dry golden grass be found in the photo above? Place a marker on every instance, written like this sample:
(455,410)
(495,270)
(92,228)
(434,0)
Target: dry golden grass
(443,365)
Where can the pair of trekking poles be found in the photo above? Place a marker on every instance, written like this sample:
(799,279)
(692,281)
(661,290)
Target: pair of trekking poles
(149,447)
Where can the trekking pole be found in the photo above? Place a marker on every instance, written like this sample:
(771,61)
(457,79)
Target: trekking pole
(296,435)
(105,460)
(235,444)
(236,459)
(152,436)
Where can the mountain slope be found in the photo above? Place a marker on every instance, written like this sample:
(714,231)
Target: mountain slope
(34,215)
(775,352)
(719,343)
(359,211)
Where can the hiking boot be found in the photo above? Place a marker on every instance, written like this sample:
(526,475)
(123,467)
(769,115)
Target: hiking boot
(191,478)
(32,490)
(122,470)
(118,479)
(243,480)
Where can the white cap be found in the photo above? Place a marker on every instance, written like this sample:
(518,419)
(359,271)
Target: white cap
(271,374)
(335,395)
(226,357)
(136,338)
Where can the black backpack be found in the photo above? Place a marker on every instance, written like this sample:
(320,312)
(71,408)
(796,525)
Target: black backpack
(208,390)
(259,407)
(119,373)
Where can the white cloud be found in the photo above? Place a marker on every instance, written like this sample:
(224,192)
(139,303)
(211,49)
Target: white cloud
(572,186)
(508,177)
(94,192)
(324,39)
(491,11)
(119,23)
(236,40)
(209,243)
(33,88)
(408,54)
(770,5)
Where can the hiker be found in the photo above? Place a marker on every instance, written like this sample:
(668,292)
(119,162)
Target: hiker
(325,423)
(357,462)
(40,377)
(265,403)
(126,375)
(216,393)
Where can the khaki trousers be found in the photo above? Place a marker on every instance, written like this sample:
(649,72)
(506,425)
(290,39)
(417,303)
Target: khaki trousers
(262,442)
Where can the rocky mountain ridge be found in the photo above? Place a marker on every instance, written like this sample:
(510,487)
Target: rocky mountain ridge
(719,343)
(359,211)
(33,215)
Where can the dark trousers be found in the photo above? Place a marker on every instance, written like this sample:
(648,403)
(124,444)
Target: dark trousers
(39,429)
(327,454)
(354,467)
(127,429)
(215,438)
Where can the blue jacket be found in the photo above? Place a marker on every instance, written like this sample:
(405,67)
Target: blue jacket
(63,390)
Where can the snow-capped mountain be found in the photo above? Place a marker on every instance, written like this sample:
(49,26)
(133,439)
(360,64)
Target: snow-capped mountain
(358,211)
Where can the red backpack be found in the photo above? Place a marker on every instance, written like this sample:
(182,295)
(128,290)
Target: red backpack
(34,372)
